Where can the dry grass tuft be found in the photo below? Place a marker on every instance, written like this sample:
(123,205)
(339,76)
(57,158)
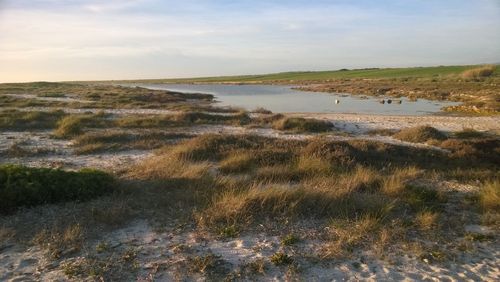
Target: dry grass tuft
(237,163)
(489,196)
(241,208)
(479,72)
(394,184)
(68,127)
(94,142)
(426,220)
(349,234)
(166,166)
(58,242)
(419,134)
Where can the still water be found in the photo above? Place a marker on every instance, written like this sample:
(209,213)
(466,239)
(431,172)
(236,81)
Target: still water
(278,98)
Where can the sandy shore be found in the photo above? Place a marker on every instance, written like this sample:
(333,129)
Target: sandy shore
(360,123)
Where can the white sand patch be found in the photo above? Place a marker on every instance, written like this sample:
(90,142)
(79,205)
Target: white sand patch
(113,161)
(33,140)
(60,153)
(361,123)
(53,99)
(97,110)
(171,250)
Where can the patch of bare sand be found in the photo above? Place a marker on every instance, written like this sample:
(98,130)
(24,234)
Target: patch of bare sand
(167,255)
(58,153)
(362,123)
(68,99)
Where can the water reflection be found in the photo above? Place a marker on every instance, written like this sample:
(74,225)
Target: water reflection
(279,98)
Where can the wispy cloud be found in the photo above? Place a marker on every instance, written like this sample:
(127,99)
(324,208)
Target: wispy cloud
(89,39)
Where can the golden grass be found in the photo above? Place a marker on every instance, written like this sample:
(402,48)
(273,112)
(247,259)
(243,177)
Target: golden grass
(236,163)
(479,72)
(394,184)
(346,235)
(56,241)
(489,196)
(167,166)
(426,220)
(244,207)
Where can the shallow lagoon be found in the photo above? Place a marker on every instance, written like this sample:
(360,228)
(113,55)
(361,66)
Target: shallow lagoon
(278,98)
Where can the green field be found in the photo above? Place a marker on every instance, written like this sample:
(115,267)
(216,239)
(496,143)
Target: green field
(413,72)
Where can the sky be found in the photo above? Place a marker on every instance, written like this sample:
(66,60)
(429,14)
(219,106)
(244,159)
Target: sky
(57,40)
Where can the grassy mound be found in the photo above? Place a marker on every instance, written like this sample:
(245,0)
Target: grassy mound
(200,117)
(241,208)
(419,134)
(302,125)
(479,72)
(93,142)
(18,120)
(25,187)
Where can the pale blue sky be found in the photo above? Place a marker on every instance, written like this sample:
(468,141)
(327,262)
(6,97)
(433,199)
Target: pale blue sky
(123,39)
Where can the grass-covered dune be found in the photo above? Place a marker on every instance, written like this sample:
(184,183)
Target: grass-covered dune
(88,95)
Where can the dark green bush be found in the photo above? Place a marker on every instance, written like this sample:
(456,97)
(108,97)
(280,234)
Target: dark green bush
(25,187)
(302,125)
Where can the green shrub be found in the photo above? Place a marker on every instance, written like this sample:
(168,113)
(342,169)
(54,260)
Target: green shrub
(25,187)
(200,117)
(302,125)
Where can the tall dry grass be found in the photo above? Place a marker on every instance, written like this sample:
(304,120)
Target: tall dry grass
(479,72)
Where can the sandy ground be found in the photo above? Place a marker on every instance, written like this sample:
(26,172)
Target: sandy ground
(361,123)
(54,99)
(165,256)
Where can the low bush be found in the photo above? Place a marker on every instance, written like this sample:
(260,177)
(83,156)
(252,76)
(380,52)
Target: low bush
(18,120)
(468,133)
(484,150)
(419,134)
(199,117)
(302,125)
(25,187)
